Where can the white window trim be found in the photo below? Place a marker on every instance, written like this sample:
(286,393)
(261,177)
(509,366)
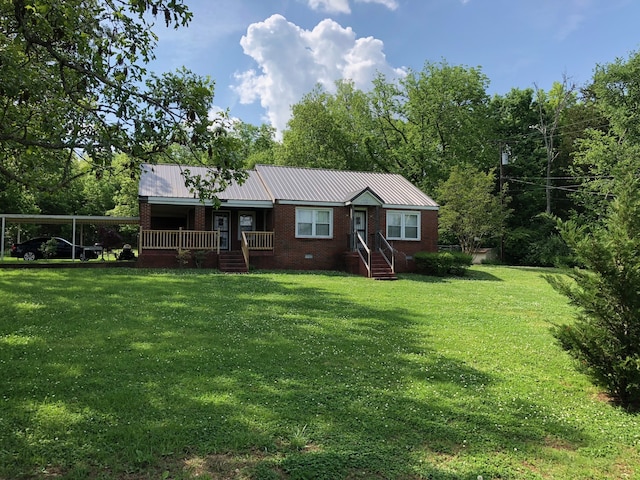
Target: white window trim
(313,224)
(403,214)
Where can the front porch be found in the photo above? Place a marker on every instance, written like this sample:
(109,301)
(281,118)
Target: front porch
(164,247)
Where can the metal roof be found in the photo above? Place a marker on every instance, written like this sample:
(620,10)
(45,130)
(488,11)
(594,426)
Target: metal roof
(167,181)
(318,185)
(288,184)
(62,219)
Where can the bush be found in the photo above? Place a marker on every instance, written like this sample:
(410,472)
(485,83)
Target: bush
(49,248)
(605,338)
(442,263)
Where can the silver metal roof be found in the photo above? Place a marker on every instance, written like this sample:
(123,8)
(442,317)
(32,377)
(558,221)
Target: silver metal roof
(289,184)
(167,181)
(317,185)
(70,219)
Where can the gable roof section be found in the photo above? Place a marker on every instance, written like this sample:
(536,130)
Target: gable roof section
(268,184)
(165,184)
(300,185)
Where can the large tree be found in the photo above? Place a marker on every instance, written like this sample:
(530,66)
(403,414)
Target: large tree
(432,120)
(73,81)
(605,237)
(470,210)
(331,130)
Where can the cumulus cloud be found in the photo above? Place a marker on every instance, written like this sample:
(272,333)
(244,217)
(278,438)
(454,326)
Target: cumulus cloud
(293,60)
(343,6)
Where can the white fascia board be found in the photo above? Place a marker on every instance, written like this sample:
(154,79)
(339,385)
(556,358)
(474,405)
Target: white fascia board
(248,203)
(209,203)
(410,207)
(308,203)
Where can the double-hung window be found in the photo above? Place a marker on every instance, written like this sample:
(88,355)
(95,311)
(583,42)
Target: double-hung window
(314,222)
(403,225)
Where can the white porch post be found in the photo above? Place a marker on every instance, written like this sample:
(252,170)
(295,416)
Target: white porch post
(2,240)
(73,242)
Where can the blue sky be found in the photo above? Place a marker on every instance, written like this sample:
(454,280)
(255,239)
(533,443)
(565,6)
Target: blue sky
(265,54)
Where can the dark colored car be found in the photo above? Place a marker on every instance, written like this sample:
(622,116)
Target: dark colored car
(31,249)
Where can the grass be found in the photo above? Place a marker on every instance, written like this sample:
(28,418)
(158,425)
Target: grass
(185,374)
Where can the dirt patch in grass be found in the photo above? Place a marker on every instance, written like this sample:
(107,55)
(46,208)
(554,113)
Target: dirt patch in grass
(226,466)
(559,444)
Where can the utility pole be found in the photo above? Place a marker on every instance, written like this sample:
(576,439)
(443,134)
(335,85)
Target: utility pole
(505,152)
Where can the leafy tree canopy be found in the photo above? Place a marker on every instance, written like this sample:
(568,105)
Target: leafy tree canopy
(73,81)
(470,210)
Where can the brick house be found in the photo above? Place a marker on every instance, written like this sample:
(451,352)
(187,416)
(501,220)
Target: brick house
(288,218)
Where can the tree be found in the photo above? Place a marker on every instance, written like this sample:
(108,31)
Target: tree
(605,339)
(470,211)
(551,107)
(605,237)
(330,131)
(432,120)
(73,81)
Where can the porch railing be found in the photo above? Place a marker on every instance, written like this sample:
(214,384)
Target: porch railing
(387,251)
(180,240)
(361,246)
(255,241)
(259,240)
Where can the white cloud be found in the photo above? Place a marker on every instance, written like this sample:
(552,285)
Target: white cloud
(390,4)
(330,6)
(292,61)
(342,6)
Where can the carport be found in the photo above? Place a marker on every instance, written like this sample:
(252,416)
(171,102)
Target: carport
(74,220)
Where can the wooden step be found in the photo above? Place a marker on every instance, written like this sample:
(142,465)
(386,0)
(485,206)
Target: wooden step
(232,262)
(380,269)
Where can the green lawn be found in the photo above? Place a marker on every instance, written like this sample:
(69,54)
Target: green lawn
(129,373)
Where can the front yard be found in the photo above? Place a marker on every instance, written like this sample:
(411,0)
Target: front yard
(130,373)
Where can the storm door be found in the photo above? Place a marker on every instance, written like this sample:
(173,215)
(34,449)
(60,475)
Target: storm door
(360,223)
(221,223)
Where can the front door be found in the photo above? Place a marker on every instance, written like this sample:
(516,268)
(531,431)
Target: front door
(221,223)
(360,223)
(246,223)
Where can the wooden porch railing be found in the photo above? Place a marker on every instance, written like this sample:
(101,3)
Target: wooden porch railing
(255,241)
(259,240)
(179,240)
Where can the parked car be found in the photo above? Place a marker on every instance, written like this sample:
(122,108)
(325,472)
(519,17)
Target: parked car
(31,249)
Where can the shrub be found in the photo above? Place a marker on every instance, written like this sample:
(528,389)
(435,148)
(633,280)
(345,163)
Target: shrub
(199,258)
(605,338)
(442,263)
(183,257)
(49,248)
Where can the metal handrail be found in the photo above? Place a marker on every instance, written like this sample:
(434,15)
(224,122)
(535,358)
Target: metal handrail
(385,243)
(367,261)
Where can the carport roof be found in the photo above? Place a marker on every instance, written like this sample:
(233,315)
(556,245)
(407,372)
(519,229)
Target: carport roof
(62,219)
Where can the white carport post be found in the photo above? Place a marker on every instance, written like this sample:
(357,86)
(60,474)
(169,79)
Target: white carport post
(73,242)
(2,240)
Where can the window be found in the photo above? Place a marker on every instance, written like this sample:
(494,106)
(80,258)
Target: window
(311,223)
(403,225)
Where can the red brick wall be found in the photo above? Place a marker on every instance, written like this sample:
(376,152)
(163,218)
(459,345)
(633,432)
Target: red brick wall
(200,218)
(291,253)
(145,216)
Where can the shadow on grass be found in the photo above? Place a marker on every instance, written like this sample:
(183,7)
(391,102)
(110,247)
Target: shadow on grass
(112,373)
(469,275)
